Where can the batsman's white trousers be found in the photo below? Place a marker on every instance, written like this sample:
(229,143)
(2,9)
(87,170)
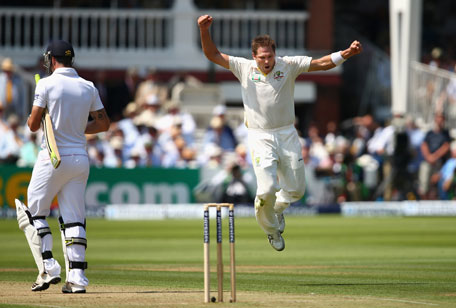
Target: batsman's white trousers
(279,169)
(68,182)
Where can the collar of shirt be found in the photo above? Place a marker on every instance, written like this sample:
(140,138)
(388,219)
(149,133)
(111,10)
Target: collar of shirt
(68,71)
(255,66)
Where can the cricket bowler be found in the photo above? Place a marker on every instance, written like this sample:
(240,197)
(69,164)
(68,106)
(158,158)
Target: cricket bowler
(268,96)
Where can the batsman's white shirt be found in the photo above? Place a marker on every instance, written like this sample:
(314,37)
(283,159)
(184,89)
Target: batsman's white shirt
(273,140)
(69,99)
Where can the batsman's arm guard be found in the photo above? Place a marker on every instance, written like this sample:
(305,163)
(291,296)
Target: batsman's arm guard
(25,221)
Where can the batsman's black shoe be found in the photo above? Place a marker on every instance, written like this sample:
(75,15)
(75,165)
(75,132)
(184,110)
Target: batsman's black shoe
(70,287)
(44,281)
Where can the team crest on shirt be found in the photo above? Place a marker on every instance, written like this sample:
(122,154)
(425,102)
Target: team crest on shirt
(278,75)
(257,161)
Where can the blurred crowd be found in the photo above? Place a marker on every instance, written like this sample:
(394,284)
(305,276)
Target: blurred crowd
(358,159)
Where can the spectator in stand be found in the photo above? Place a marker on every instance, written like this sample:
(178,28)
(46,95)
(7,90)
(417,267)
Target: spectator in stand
(115,157)
(236,191)
(134,160)
(220,111)
(316,191)
(446,176)
(150,133)
(318,149)
(10,141)
(29,151)
(127,124)
(220,134)
(435,147)
(153,153)
(367,125)
(95,150)
(416,137)
(12,92)
(188,158)
(377,144)
(436,55)
(447,99)
(3,125)
(178,154)
(398,182)
(152,111)
(243,160)
(358,144)
(173,117)
(151,85)
(331,133)
(211,157)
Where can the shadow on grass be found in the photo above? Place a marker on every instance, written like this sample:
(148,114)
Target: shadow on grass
(361,284)
(144,292)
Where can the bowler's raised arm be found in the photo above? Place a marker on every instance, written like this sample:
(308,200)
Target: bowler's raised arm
(210,50)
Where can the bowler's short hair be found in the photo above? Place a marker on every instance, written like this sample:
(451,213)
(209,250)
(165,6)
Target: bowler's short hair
(262,41)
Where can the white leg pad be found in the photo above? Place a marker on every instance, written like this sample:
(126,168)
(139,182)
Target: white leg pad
(33,239)
(65,255)
(52,267)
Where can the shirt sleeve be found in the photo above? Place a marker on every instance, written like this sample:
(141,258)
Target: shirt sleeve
(447,170)
(298,64)
(41,98)
(238,66)
(96,101)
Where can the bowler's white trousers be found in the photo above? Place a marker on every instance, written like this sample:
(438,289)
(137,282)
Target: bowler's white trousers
(68,182)
(279,169)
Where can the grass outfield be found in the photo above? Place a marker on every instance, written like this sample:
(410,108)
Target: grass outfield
(329,261)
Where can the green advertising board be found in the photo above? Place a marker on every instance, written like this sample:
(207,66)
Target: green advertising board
(113,185)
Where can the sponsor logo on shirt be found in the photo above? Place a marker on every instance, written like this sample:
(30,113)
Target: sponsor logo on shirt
(256,77)
(278,75)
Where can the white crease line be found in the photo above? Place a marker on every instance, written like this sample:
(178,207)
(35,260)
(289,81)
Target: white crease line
(36,305)
(396,300)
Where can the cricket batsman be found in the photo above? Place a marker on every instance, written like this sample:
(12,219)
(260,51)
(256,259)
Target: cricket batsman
(69,100)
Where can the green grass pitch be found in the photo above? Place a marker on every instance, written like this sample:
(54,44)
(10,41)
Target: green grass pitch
(329,261)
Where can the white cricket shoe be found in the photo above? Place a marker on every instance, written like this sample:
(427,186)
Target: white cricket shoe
(281,220)
(43,281)
(276,240)
(70,287)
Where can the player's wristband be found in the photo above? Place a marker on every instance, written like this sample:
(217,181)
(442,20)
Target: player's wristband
(337,59)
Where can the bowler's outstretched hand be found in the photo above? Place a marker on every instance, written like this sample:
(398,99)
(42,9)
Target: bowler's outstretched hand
(355,48)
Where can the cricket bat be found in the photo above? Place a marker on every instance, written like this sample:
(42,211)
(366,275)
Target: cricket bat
(48,130)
